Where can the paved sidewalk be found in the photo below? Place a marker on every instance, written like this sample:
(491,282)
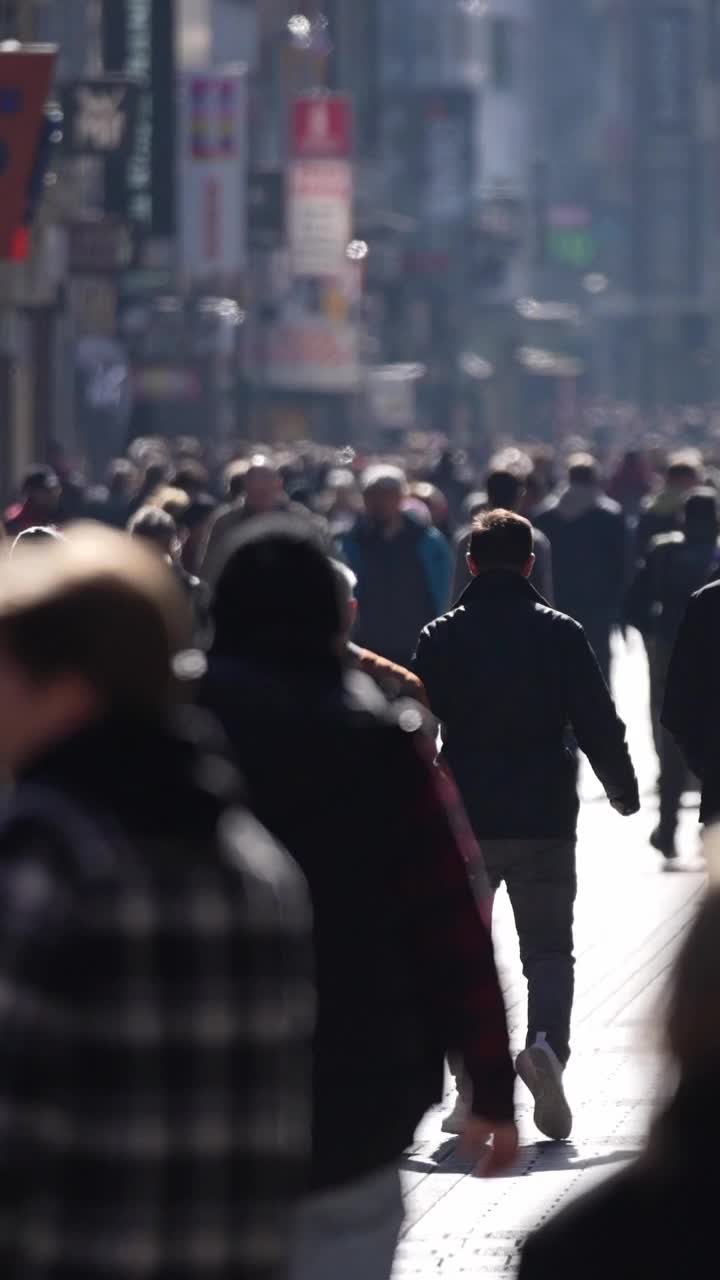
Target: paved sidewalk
(630,918)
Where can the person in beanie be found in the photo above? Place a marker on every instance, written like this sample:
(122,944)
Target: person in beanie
(404,963)
(156,1001)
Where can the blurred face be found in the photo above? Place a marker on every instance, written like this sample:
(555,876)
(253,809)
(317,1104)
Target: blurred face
(38,713)
(263,490)
(383,503)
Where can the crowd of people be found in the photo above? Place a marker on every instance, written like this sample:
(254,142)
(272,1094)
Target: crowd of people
(275,729)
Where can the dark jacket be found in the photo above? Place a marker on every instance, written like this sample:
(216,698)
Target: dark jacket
(156,1017)
(675,567)
(541,576)
(589,550)
(656,1220)
(691,711)
(507,677)
(404,964)
(403,582)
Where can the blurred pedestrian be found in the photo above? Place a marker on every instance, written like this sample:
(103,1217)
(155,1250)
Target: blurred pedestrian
(403,569)
(505,676)
(154,948)
(590,555)
(405,968)
(658,1217)
(663,512)
(41,492)
(261,493)
(111,503)
(159,531)
(676,566)
(394,682)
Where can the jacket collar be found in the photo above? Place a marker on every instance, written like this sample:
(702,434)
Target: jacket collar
(500,584)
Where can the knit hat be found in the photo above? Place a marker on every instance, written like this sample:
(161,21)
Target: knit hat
(276,595)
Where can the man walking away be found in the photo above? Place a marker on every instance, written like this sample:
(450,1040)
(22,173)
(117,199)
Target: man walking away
(403,568)
(677,565)
(405,969)
(507,677)
(155,1014)
(589,550)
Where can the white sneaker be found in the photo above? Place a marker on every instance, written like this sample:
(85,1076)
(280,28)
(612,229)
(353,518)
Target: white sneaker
(540,1070)
(456,1119)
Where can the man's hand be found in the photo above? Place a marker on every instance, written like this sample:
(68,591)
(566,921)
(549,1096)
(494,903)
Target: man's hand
(626,808)
(497,1158)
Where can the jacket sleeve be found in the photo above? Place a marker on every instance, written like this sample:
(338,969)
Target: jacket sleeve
(428,665)
(437,560)
(599,731)
(690,712)
(453,943)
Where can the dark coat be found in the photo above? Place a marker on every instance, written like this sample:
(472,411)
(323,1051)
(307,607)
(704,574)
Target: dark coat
(508,677)
(674,568)
(691,712)
(403,582)
(589,550)
(401,953)
(656,1220)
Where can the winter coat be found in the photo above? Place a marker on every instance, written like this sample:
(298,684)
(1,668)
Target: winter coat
(508,677)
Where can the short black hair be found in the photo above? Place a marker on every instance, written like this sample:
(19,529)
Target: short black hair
(504,489)
(500,540)
(39,478)
(583,469)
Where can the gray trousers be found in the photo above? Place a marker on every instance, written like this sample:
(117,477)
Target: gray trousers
(350,1233)
(541,881)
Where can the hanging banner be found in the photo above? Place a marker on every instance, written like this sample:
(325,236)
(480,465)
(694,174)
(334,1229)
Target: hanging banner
(25,79)
(320,198)
(213,176)
(307,351)
(100,116)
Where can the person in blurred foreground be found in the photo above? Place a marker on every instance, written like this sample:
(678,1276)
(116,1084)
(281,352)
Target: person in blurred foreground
(405,967)
(506,677)
(691,711)
(676,565)
(159,531)
(155,1014)
(658,1218)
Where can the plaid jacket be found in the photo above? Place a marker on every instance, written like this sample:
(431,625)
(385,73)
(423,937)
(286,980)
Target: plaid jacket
(155,1010)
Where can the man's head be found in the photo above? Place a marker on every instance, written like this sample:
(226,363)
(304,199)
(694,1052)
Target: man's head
(88,624)
(700,516)
(157,529)
(505,489)
(501,540)
(263,486)
(684,472)
(384,490)
(41,487)
(277,599)
(583,471)
(38,533)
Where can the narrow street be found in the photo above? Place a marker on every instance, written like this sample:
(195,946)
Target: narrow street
(630,917)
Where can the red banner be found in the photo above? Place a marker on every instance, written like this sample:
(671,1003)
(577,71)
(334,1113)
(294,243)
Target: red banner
(322,128)
(25,79)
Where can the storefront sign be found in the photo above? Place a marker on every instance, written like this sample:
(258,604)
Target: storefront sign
(319,216)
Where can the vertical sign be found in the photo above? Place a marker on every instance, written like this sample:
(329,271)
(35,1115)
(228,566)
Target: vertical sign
(319,216)
(213,176)
(139,41)
(25,78)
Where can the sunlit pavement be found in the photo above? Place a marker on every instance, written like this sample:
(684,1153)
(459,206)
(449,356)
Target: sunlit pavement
(630,916)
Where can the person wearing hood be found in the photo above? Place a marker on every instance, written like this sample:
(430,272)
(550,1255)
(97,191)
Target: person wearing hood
(588,538)
(404,963)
